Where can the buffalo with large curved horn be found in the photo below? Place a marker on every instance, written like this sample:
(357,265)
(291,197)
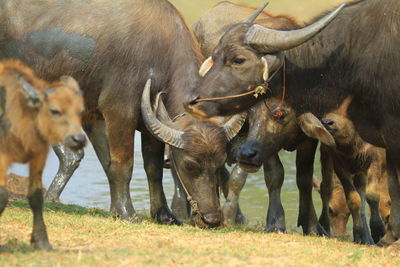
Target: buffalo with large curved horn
(197,153)
(244,59)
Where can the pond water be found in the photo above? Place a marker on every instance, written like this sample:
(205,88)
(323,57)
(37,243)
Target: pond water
(89,187)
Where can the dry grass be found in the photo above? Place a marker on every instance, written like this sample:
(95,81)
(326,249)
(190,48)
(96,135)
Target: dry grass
(88,237)
(302,10)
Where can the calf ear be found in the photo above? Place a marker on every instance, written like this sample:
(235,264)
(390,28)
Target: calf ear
(32,94)
(313,128)
(70,82)
(206,66)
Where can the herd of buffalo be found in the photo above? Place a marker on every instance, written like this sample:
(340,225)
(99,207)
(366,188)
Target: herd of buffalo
(236,88)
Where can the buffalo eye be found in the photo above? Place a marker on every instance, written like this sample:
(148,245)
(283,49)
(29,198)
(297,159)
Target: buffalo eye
(55,112)
(190,167)
(238,60)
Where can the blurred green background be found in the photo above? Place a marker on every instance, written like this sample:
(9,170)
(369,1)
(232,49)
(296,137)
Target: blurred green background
(303,10)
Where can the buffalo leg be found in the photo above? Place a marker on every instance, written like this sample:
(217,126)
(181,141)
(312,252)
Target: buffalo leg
(153,159)
(354,200)
(274,176)
(114,148)
(304,178)
(3,184)
(234,185)
(375,222)
(69,161)
(393,165)
(39,238)
(326,187)
(360,183)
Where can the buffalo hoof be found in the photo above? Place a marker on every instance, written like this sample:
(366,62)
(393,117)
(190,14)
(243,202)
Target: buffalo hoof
(377,229)
(362,237)
(230,212)
(321,231)
(164,216)
(133,218)
(275,228)
(42,245)
(240,219)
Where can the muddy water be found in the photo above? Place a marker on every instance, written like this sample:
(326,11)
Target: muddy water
(89,187)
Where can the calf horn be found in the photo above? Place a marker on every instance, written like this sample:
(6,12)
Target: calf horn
(256,13)
(233,125)
(30,92)
(270,41)
(157,128)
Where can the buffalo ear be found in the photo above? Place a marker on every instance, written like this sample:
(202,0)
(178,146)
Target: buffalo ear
(70,82)
(206,66)
(31,93)
(313,128)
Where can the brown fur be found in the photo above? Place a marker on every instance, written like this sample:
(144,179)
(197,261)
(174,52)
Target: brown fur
(206,143)
(49,114)
(356,155)
(30,133)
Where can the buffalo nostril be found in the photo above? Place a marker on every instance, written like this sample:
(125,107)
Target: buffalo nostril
(79,139)
(248,153)
(212,218)
(327,122)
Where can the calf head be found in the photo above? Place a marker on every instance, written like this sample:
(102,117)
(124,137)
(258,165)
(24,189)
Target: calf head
(59,108)
(340,127)
(244,59)
(339,212)
(197,154)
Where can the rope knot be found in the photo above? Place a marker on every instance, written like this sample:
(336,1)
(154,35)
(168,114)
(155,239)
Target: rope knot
(194,205)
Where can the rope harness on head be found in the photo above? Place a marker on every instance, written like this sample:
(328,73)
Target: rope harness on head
(259,90)
(278,113)
(193,203)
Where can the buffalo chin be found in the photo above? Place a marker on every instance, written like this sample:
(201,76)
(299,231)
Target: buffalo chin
(250,168)
(197,221)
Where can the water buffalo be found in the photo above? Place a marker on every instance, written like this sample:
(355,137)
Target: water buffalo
(344,60)
(197,154)
(208,30)
(112,60)
(33,114)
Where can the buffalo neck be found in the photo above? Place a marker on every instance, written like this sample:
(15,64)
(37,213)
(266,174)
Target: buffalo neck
(322,72)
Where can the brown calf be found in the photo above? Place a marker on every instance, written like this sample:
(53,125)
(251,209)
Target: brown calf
(353,160)
(33,115)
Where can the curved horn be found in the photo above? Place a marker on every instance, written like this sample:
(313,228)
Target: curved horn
(234,124)
(271,41)
(255,14)
(158,129)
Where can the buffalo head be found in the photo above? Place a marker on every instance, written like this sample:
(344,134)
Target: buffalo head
(197,154)
(272,126)
(245,58)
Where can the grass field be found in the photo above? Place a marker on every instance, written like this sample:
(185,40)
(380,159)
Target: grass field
(89,237)
(302,10)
